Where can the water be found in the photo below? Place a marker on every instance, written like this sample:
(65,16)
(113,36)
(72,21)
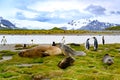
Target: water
(27,65)
(48,39)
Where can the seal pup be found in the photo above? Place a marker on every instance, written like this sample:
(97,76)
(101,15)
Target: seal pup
(107,59)
(68,61)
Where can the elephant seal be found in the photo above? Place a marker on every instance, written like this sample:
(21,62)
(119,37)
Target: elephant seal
(41,51)
(68,61)
(68,51)
(107,59)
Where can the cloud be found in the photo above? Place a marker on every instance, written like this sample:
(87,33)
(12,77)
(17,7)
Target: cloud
(110,19)
(42,13)
(50,11)
(118,12)
(58,16)
(115,12)
(38,25)
(52,5)
(25,5)
(20,16)
(96,9)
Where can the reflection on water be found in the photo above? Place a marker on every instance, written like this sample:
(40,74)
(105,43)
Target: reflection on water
(48,39)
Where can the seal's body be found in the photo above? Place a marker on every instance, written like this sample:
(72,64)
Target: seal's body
(41,51)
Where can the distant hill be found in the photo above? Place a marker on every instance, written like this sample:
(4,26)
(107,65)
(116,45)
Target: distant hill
(56,28)
(113,28)
(6,24)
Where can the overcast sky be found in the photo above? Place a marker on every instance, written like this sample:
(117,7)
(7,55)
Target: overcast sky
(51,13)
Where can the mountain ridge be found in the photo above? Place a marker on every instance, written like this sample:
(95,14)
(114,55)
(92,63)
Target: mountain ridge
(6,24)
(82,24)
(92,24)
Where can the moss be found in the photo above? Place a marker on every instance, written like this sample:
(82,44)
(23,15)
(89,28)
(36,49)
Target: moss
(18,45)
(7,74)
(7,53)
(88,67)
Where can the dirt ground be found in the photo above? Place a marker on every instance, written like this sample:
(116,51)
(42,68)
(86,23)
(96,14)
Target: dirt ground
(7,47)
(11,47)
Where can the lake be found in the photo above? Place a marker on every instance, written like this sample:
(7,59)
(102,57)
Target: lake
(48,39)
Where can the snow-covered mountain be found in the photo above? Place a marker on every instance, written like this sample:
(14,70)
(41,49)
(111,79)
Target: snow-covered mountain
(6,24)
(86,24)
(82,24)
(79,23)
(96,25)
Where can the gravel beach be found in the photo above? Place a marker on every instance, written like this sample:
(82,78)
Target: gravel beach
(7,47)
(12,47)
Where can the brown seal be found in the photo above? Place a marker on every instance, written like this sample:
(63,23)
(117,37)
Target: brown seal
(41,51)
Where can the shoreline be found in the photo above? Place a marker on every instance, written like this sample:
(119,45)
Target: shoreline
(84,34)
(12,47)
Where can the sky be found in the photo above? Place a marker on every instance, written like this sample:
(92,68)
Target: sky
(46,14)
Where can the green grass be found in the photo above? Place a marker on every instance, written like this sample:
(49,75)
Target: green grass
(54,31)
(113,28)
(6,53)
(89,67)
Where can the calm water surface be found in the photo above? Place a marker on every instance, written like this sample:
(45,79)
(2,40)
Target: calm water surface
(48,39)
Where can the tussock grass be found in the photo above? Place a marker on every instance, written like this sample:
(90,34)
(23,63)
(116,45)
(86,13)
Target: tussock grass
(89,67)
(7,53)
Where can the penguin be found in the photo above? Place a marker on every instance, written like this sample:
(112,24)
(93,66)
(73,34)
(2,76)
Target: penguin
(87,45)
(95,43)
